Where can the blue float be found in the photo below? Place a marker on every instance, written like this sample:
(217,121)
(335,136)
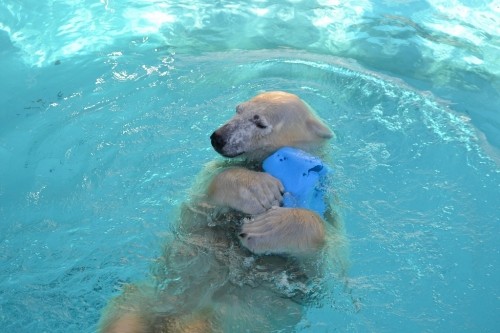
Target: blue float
(303,176)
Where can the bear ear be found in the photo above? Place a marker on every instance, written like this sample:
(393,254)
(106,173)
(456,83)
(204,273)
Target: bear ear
(240,107)
(319,128)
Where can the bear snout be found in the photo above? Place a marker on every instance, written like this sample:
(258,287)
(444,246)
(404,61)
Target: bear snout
(218,142)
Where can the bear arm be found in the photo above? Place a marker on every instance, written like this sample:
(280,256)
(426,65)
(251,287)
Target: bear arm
(247,191)
(294,231)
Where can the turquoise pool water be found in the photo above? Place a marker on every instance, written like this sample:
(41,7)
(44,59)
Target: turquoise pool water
(106,109)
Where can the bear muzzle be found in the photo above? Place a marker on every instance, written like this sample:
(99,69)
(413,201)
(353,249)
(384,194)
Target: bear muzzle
(219,143)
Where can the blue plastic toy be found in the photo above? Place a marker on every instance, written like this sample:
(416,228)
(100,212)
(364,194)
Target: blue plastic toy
(303,177)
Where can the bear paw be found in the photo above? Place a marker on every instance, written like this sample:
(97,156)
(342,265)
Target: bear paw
(283,231)
(247,191)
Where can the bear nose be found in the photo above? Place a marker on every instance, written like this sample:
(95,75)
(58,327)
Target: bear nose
(217,141)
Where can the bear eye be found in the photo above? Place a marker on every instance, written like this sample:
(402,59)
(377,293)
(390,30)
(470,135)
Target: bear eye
(258,122)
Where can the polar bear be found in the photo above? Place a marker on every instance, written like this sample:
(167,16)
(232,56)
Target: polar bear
(262,125)
(237,261)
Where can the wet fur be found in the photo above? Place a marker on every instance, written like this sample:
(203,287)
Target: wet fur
(210,276)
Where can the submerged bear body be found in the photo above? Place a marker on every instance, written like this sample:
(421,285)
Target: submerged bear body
(236,260)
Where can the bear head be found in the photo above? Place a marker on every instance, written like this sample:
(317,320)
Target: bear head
(268,122)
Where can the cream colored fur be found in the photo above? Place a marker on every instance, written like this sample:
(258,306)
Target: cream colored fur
(227,267)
